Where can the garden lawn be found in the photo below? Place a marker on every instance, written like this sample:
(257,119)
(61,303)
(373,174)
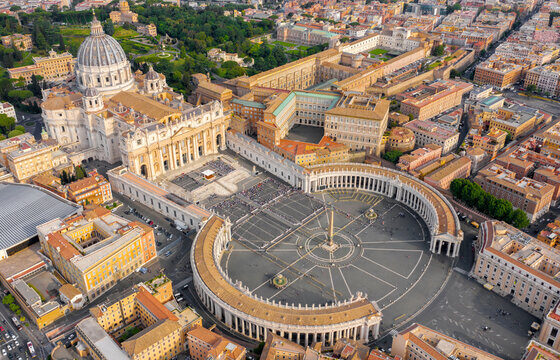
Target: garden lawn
(121,33)
(284,44)
(378,51)
(134,47)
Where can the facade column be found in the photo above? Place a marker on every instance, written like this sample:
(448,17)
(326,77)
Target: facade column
(171,157)
(161,160)
(205,142)
(181,162)
(439,247)
(188,140)
(196,154)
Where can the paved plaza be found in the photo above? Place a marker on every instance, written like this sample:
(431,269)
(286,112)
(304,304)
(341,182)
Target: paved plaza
(195,179)
(283,231)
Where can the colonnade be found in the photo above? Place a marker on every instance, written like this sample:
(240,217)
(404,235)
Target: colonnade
(390,185)
(343,322)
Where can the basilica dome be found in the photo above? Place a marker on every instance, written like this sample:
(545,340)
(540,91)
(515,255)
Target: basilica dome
(102,63)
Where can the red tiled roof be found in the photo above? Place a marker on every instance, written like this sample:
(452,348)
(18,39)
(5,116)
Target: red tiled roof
(154,306)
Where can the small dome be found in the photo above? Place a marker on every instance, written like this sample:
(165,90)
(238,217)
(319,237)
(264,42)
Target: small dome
(151,74)
(91,92)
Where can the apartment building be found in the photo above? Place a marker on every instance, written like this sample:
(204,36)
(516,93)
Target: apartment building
(206,345)
(147,30)
(25,158)
(529,195)
(22,42)
(418,342)
(8,109)
(549,333)
(359,122)
(93,189)
(428,132)
(546,79)
(516,120)
(97,248)
(123,15)
(12,144)
(161,326)
(498,73)
(492,142)
(515,264)
(427,101)
(419,157)
(54,67)
(442,177)
(306,35)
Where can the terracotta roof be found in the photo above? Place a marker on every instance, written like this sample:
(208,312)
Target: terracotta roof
(69,291)
(144,105)
(378,113)
(154,306)
(66,250)
(61,102)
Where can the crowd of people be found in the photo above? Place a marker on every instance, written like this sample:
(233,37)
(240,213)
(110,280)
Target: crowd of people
(219,167)
(225,208)
(266,191)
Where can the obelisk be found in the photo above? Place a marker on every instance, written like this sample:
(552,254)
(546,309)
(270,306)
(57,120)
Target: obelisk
(331,228)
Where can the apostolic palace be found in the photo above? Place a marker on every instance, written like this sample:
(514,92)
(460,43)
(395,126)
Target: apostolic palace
(109,113)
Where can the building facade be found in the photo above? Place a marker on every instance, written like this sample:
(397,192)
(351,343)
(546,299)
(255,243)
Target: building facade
(96,249)
(205,345)
(93,189)
(529,195)
(19,41)
(428,132)
(428,101)
(53,68)
(418,342)
(504,260)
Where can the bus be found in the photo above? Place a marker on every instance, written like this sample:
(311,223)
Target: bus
(31,349)
(16,322)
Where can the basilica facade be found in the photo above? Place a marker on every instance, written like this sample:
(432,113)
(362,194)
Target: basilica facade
(110,113)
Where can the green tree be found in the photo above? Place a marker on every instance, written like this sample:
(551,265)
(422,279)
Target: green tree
(438,50)
(34,87)
(519,219)
(80,173)
(7,124)
(410,117)
(454,73)
(532,88)
(20,128)
(61,44)
(64,178)
(109,28)
(392,156)
(14,133)
(8,299)
(5,87)
(19,95)
(40,41)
